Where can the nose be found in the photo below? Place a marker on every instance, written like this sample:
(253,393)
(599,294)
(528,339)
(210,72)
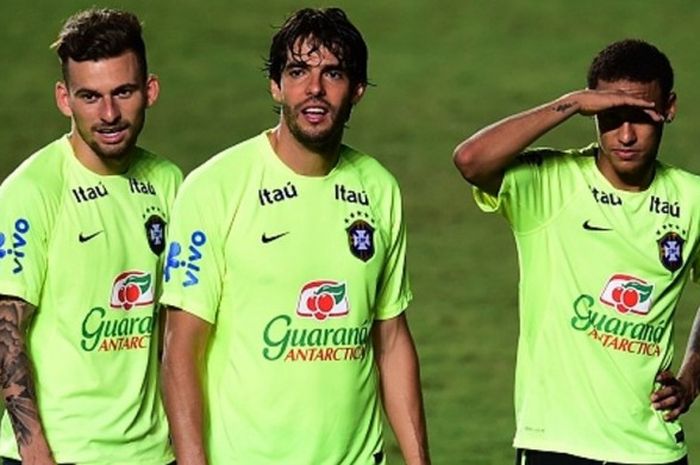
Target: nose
(627,134)
(110,111)
(314,87)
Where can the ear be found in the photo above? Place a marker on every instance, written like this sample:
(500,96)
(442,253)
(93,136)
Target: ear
(275,91)
(358,93)
(671,107)
(152,89)
(63,98)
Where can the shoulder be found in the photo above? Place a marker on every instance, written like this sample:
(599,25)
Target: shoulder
(156,167)
(683,181)
(228,166)
(41,174)
(547,156)
(368,168)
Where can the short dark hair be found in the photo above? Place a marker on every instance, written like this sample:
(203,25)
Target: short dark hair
(99,33)
(632,60)
(324,27)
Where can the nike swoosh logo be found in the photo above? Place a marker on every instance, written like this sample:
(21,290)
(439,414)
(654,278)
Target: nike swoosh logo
(265,239)
(589,227)
(82,238)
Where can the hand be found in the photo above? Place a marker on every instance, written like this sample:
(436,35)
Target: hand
(674,396)
(591,102)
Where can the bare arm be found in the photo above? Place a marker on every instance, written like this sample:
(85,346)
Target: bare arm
(483,157)
(185,342)
(18,382)
(677,393)
(400,387)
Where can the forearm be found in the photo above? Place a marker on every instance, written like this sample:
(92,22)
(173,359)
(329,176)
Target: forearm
(689,372)
(182,396)
(401,395)
(17,382)
(483,157)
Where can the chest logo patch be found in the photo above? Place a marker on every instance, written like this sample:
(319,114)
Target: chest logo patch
(155,229)
(323,299)
(627,294)
(131,289)
(360,235)
(670,243)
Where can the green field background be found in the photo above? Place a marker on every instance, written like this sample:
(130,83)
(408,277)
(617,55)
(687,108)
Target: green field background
(441,70)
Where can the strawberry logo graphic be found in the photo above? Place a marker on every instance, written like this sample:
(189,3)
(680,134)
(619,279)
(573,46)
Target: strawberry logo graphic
(627,294)
(322,299)
(131,289)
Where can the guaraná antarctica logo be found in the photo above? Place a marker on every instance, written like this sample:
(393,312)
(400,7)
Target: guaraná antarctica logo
(319,300)
(106,331)
(629,296)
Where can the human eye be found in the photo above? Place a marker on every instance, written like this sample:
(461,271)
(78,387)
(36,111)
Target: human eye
(124,92)
(295,71)
(335,74)
(88,97)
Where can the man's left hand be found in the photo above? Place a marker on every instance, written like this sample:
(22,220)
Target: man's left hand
(674,396)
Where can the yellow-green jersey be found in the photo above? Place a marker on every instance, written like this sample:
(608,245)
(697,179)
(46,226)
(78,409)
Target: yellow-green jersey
(87,250)
(602,271)
(291,271)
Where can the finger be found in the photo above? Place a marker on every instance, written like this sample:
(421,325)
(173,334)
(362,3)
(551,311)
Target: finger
(654,115)
(667,403)
(666,378)
(673,414)
(663,393)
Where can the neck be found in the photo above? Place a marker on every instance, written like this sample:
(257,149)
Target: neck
(306,160)
(96,163)
(633,181)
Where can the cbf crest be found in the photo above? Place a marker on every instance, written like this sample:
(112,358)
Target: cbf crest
(360,235)
(155,229)
(671,247)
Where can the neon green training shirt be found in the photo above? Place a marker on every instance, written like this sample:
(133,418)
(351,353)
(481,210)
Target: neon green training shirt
(602,271)
(86,250)
(291,271)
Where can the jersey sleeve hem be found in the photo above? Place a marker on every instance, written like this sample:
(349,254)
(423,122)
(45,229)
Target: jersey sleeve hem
(195,308)
(19,292)
(392,311)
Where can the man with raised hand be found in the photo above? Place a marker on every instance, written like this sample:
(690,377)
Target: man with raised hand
(607,237)
(82,229)
(286,280)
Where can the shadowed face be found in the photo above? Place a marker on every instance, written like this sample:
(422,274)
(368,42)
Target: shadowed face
(629,138)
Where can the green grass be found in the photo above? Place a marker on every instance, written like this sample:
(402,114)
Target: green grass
(442,70)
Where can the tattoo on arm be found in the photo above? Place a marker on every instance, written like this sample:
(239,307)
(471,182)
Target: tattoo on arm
(562,107)
(16,379)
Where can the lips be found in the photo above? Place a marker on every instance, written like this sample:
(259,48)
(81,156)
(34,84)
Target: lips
(314,114)
(626,154)
(111,134)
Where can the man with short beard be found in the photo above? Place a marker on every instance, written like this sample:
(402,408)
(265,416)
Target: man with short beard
(81,239)
(286,280)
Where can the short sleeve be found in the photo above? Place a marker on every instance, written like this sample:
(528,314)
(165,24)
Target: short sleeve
(194,264)
(24,232)
(394,293)
(533,188)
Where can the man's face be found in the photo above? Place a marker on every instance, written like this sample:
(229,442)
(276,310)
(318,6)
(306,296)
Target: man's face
(629,138)
(106,100)
(315,94)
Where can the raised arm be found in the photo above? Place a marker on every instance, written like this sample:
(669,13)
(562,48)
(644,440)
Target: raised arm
(17,381)
(185,342)
(400,387)
(676,394)
(483,158)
